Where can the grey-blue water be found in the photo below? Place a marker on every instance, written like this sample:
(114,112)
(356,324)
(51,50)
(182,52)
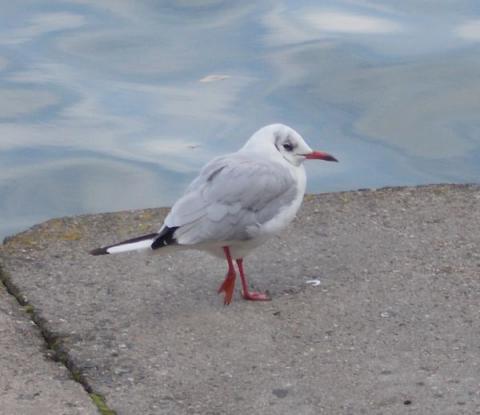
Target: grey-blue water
(115,104)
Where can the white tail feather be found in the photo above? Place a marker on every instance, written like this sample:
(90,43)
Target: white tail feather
(132,246)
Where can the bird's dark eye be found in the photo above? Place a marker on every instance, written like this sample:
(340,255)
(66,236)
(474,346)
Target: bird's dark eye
(288,147)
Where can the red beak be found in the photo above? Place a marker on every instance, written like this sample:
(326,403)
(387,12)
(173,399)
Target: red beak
(319,155)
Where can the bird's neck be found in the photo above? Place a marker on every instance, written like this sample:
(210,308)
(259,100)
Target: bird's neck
(301,178)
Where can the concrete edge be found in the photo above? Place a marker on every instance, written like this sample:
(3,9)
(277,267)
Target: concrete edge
(54,347)
(7,238)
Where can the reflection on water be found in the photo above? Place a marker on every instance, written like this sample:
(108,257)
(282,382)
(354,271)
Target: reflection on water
(116,104)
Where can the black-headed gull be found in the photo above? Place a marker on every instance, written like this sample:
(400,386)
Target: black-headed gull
(236,203)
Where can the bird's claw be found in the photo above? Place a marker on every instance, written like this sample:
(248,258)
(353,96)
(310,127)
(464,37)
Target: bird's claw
(256,296)
(227,287)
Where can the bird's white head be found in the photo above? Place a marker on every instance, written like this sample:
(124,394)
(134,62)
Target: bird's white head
(280,140)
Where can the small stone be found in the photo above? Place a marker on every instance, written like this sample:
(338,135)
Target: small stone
(280,393)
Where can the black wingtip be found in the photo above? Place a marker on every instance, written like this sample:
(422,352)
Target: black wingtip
(99,251)
(165,238)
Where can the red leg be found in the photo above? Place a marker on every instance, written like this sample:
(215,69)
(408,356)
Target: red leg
(229,283)
(249,295)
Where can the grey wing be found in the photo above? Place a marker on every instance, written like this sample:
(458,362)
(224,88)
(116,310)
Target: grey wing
(232,196)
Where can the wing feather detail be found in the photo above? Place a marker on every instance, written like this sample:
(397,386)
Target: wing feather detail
(231,196)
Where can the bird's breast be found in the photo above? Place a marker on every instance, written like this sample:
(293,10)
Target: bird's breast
(288,212)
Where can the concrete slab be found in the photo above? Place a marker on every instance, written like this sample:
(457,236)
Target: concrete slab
(30,382)
(392,328)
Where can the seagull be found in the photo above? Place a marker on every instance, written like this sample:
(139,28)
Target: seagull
(236,203)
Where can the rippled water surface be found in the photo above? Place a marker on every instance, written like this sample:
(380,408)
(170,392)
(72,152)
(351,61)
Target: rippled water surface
(116,104)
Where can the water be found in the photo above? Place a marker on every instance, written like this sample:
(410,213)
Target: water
(115,104)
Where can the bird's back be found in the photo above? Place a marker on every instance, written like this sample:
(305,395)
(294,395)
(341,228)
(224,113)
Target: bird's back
(233,196)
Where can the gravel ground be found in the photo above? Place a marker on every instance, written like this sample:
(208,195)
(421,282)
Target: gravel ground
(31,383)
(393,327)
